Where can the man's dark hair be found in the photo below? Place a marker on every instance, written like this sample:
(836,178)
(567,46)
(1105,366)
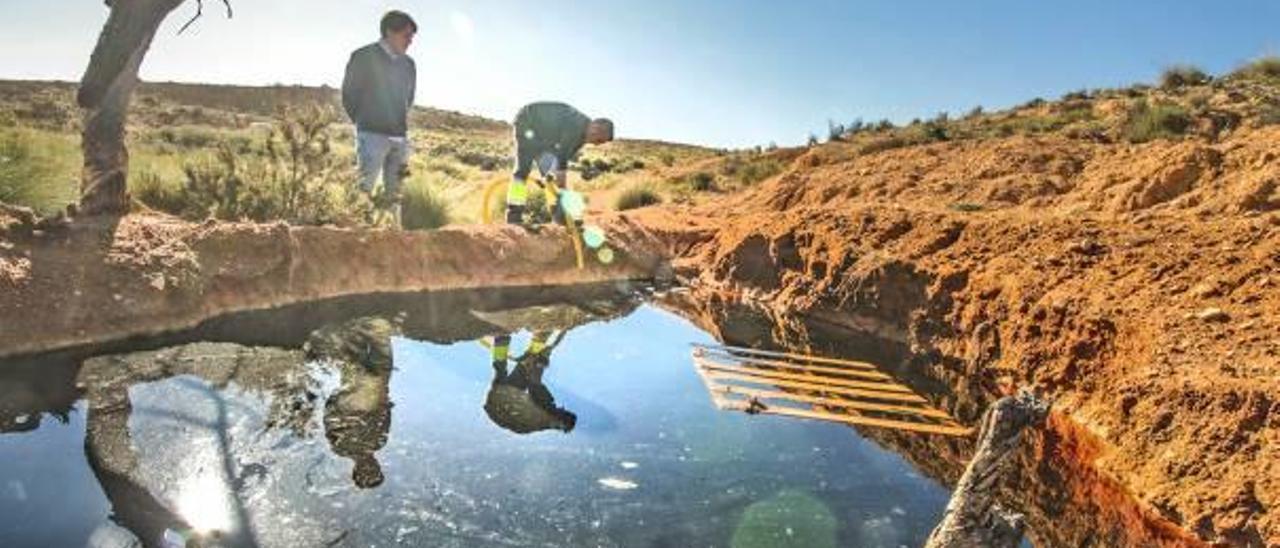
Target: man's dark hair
(396,21)
(605,125)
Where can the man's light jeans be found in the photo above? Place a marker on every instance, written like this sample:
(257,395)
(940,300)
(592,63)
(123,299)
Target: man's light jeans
(377,153)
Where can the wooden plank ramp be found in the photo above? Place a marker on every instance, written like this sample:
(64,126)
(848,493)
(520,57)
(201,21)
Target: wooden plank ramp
(816,388)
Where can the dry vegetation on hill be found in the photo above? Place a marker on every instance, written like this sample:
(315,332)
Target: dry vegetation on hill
(188,141)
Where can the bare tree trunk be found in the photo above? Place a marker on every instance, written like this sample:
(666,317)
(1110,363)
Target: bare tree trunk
(105,92)
(973,518)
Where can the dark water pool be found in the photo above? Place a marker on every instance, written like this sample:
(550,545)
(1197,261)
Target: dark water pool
(594,430)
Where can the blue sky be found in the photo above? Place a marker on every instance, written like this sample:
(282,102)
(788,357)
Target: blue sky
(719,72)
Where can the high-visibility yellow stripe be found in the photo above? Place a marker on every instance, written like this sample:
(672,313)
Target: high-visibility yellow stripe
(500,353)
(517,193)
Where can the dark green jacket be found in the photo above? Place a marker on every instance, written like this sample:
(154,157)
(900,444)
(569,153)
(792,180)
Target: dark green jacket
(543,128)
(379,89)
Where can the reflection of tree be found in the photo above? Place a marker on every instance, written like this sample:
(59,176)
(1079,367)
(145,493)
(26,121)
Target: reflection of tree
(109,445)
(358,415)
(518,400)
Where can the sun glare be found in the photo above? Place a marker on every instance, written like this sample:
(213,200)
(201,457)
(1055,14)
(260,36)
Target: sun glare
(463,25)
(204,505)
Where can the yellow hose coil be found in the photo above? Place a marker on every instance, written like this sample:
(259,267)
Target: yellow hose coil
(552,197)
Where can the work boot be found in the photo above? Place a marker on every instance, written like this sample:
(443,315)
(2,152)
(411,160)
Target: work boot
(515,215)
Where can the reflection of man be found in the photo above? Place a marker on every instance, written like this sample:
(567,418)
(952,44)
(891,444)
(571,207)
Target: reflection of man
(549,135)
(357,417)
(518,400)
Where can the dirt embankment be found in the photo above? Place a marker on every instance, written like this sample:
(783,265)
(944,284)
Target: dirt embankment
(1138,285)
(106,279)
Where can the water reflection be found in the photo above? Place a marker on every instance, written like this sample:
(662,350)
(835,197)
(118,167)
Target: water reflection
(357,416)
(518,400)
(286,437)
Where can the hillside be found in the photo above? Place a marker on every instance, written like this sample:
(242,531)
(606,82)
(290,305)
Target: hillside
(177,126)
(1117,250)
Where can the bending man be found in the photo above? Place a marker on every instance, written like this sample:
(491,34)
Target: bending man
(550,135)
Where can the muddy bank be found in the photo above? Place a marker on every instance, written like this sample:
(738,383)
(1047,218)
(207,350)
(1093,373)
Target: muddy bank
(1054,482)
(108,279)
(1134,284)
(1164,352)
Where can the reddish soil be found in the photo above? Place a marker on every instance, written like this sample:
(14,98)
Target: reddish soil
(1134,284)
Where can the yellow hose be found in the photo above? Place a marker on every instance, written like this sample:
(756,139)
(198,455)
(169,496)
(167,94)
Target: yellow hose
(486,207)
(552,197)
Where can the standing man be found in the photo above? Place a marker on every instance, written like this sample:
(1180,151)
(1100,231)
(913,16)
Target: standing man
(377,93)
(550,134)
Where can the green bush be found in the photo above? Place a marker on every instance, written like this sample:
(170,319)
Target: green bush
(422,209)
(1077,95)
(483,161)
(835,132)
(1147,122)
(1269,115)
(747,170)
(191,136)
(153,191)
(1072,113)
(935,130)
(1180,76)
(759,170)
(37,170)
(1034,103)
(880,145)
(637,197)
(536,210)
(298,179)
(702,181)
(1264,67)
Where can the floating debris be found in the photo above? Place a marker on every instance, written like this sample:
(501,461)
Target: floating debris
(618,484)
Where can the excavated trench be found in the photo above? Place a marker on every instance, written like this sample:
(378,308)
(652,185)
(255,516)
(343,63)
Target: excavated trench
(1053,481)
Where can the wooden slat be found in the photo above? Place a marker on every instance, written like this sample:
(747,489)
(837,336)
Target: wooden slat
(827,381)
(716,399)
(771,354)
(730,390)
(854,392)
(860,420)
(850,372)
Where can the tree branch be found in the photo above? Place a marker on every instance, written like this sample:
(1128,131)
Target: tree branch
(200,11)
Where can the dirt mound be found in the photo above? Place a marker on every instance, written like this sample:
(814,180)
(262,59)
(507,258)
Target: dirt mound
(1136,284)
